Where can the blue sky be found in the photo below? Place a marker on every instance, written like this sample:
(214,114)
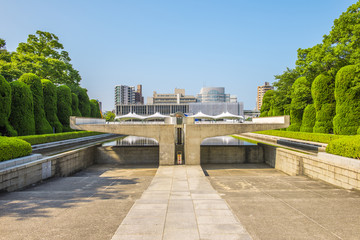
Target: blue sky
(236,44)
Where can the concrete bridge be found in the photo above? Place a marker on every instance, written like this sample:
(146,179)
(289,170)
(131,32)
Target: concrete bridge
(179,136)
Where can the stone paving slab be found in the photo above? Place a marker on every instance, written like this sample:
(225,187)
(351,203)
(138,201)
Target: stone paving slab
(180,203)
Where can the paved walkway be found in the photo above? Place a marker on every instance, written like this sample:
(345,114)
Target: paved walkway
(180,203)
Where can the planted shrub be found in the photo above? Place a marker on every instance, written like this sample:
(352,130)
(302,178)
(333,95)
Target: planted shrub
(22,109)
(50,104)
(64,106)
(11,148)
(95,109)
(347,147)
(45,138)
(5,109)
(322,91)
(309,119)
(75,105)
(300,98)
(84,102)
(347,96)
(42,126)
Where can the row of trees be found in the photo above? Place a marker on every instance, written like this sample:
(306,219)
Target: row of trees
(39,88)
(34,106)
(322,93)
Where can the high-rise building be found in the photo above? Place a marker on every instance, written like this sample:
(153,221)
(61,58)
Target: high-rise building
(213,95)
(261,90)
(127,95)
(178,97)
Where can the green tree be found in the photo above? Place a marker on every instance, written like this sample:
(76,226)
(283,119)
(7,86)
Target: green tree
(7,69)
(42,55)
(300,98)
(42,126)
(109,116)
(5,110)
(322,91)
(84,102)
(64,99)
(266,107)
(283,86)
(309,119)
(22,109)
(95,109)
(347,97)
(75,105)
(50,104)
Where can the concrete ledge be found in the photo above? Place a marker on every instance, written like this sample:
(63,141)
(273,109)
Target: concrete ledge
(231,154)
(20,160)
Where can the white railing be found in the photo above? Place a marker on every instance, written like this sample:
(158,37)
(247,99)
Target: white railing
(81,121)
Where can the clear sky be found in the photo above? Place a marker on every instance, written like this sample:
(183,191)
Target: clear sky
(236,44)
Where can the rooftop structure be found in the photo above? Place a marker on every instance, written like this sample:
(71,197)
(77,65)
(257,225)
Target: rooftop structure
(178,97)
(214,94)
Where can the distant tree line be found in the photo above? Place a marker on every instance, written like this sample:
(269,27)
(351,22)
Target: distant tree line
(322,93)
(39,89)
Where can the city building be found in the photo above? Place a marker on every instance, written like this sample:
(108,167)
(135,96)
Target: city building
(127,95)
(178,97)
(214,94)
(216,108)
(150,109)
(261,90)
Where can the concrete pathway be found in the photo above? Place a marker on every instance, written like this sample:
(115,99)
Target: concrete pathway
(180,203)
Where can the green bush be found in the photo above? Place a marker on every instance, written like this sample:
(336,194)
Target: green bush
(347,96)
(313,137)
(64,106)
(75,105)
(300,98)
(22,110)
(5,110)
(84,102)
(50,104)
(347,147)
(45,138)
(95,109)
(11,147)
(309,118)
(322,91)
(42,126)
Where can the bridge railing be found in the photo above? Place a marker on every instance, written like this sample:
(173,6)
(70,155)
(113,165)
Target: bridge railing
(83,120)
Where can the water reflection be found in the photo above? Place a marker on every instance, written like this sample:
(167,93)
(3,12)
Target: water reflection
(225,140)
(133,141)
(143,141)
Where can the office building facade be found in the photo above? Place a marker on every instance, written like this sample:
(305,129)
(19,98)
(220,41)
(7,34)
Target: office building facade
(178,97)
(127,95)
(261,90)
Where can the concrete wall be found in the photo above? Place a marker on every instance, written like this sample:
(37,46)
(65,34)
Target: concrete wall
(231,154)
(63,164)
(128,155)
(337,170)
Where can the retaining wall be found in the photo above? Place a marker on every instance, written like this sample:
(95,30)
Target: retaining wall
(64,164)
(231,154)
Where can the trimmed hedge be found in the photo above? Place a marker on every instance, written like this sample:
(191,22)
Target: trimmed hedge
(22,110)
(42,126)
(300,98)
(64,106)
(50,104)
(75,105)
(11,147)
(314,137)
(84,102)
(309,118)
(322,92)
(45,138)
(5,110)
(347,147)
(95,109)
(347,96)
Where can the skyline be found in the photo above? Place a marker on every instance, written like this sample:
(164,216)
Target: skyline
(164,45)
